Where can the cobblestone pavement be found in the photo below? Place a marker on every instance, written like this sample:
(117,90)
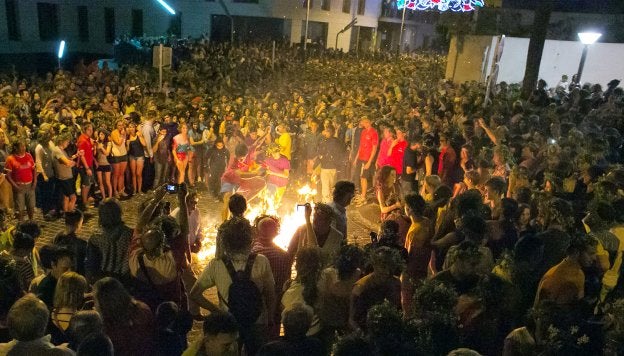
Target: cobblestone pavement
(360,222)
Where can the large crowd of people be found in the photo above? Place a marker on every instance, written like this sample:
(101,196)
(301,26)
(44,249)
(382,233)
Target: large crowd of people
(501,219)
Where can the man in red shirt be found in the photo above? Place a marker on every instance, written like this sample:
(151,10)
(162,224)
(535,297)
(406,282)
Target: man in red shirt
(85,167)
(21,175)
(397,150)
(446,161)
(369,140)
(383,158)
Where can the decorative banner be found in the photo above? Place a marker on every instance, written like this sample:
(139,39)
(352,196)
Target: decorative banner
(441,5)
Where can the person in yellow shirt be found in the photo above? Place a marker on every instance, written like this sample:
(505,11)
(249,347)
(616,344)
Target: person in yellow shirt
(284,140)
(418,246)
(565,282)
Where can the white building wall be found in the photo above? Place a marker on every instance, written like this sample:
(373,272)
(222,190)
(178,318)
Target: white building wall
(603,62)
(196,20)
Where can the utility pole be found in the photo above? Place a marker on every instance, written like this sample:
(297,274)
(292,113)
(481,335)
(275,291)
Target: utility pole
(402,27)
(305,39)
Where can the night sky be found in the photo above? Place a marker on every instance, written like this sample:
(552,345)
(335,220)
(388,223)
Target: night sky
(606,6)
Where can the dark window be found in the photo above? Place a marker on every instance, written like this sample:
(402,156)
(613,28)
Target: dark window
(12,16)
(361,7)
(109,24)
(175,25)
(346,6)
(137,23)
(83,24)
(326,5)
(48,21)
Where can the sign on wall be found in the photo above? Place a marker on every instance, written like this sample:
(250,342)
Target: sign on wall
(441,5)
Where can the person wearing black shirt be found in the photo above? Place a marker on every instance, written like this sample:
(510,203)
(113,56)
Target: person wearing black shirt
(69,239)
(62,261)
(408,177)
(331,153)
(297,321)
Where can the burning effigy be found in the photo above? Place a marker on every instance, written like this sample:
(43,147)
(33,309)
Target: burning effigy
(266,205)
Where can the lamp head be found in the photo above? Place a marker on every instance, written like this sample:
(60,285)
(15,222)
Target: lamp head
(61,50)
(166,7)
(588,38)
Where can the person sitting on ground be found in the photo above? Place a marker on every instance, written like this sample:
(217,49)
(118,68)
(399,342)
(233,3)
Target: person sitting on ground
(46,254)
(69,297)
(96,344)
(69,239)
(220,337)
(297,321)
(62,261)
(127,321)
(82,324)
(19,254)
(107,252)
(32,228)
(27,321)
(172,326)
(10,292)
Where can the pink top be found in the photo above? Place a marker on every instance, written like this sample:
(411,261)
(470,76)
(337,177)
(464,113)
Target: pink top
(278,166)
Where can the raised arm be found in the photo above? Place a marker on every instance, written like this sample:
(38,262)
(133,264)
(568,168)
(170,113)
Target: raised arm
(147,213)
(488,131)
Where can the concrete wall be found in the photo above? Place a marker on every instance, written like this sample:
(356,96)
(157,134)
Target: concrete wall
(559,57)
(465,58)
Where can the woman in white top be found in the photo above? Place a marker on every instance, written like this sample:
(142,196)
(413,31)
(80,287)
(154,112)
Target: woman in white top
(119,158)
(45,171)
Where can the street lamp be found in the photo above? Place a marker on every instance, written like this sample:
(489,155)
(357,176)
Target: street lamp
(61,52)
(166,7)
(587,38)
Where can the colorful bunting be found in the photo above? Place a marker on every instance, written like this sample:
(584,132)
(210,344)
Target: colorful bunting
(441,5)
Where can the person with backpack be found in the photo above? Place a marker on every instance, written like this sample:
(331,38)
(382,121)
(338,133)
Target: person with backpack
(244,283)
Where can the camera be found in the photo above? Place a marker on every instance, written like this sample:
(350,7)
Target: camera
(301,208)
(172,188)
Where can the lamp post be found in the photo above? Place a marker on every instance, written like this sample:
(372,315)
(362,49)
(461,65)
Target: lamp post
(305,38)
(61,52)
(166,7)
(402,28)
(587,38)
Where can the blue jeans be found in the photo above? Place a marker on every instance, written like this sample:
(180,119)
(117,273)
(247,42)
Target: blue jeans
(160,173)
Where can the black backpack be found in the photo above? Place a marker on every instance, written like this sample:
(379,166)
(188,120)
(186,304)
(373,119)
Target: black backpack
(245,299)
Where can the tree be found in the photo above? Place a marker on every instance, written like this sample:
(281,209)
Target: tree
(536,46)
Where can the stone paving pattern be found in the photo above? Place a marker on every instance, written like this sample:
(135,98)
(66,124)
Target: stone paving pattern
(360,222)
